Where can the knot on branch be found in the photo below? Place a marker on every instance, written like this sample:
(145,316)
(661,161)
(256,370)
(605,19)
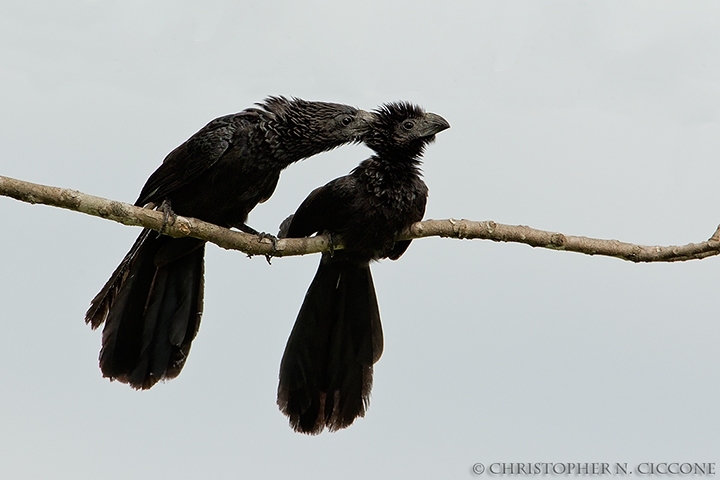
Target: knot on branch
(635,254)
(558,240)
(183,224)
(112,210)
(70,198)
(460,228)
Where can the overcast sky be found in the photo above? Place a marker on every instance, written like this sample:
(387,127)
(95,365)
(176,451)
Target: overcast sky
(590,118)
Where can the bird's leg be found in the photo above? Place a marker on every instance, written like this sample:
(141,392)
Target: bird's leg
(243,227)
(168,213)
(261,235)
(273,239)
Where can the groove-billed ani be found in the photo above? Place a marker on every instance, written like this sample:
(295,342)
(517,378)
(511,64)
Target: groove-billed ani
(152,304)
(326,370)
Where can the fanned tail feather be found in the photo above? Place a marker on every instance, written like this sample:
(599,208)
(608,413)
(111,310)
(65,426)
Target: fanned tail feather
(326,371)
(151,307)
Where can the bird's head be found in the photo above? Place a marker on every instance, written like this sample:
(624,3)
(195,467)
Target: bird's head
(402,128)
(318,126)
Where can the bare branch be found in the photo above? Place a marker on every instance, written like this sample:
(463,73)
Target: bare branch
(144,217)
(490,230)
(253,245)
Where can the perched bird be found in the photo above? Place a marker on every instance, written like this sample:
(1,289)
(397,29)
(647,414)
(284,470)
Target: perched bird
(326,370)
(153,302)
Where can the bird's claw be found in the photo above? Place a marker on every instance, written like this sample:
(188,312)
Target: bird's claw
(168,214)
(273,239)
(332,243)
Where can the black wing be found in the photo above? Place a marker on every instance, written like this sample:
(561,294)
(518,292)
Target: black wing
(189,160)
(325,210)
(417,213)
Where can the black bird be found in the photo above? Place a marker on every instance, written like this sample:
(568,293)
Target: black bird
(326,370)
(152,304)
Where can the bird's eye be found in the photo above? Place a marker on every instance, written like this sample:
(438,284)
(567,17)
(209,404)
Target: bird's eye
(408,125)
(346,121)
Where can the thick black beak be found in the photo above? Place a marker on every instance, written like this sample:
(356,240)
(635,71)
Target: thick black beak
(363,121)
(367,117)
(433,124)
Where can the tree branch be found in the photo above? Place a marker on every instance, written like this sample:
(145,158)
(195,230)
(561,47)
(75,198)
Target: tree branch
(253,245)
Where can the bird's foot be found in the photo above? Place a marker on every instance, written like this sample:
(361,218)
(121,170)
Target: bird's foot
(168,214)
(261,236)
(273,239)
(333,243)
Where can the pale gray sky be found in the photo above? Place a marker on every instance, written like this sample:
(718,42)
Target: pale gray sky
(590,118)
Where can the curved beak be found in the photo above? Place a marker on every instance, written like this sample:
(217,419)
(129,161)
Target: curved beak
(361,125)
(433,124)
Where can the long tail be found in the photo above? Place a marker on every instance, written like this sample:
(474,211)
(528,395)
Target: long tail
(151,307)
(326,370)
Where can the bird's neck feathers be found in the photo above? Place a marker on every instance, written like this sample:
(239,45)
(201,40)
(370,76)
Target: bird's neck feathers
(388,147)
(293,130)
(398,156)
(382,167)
